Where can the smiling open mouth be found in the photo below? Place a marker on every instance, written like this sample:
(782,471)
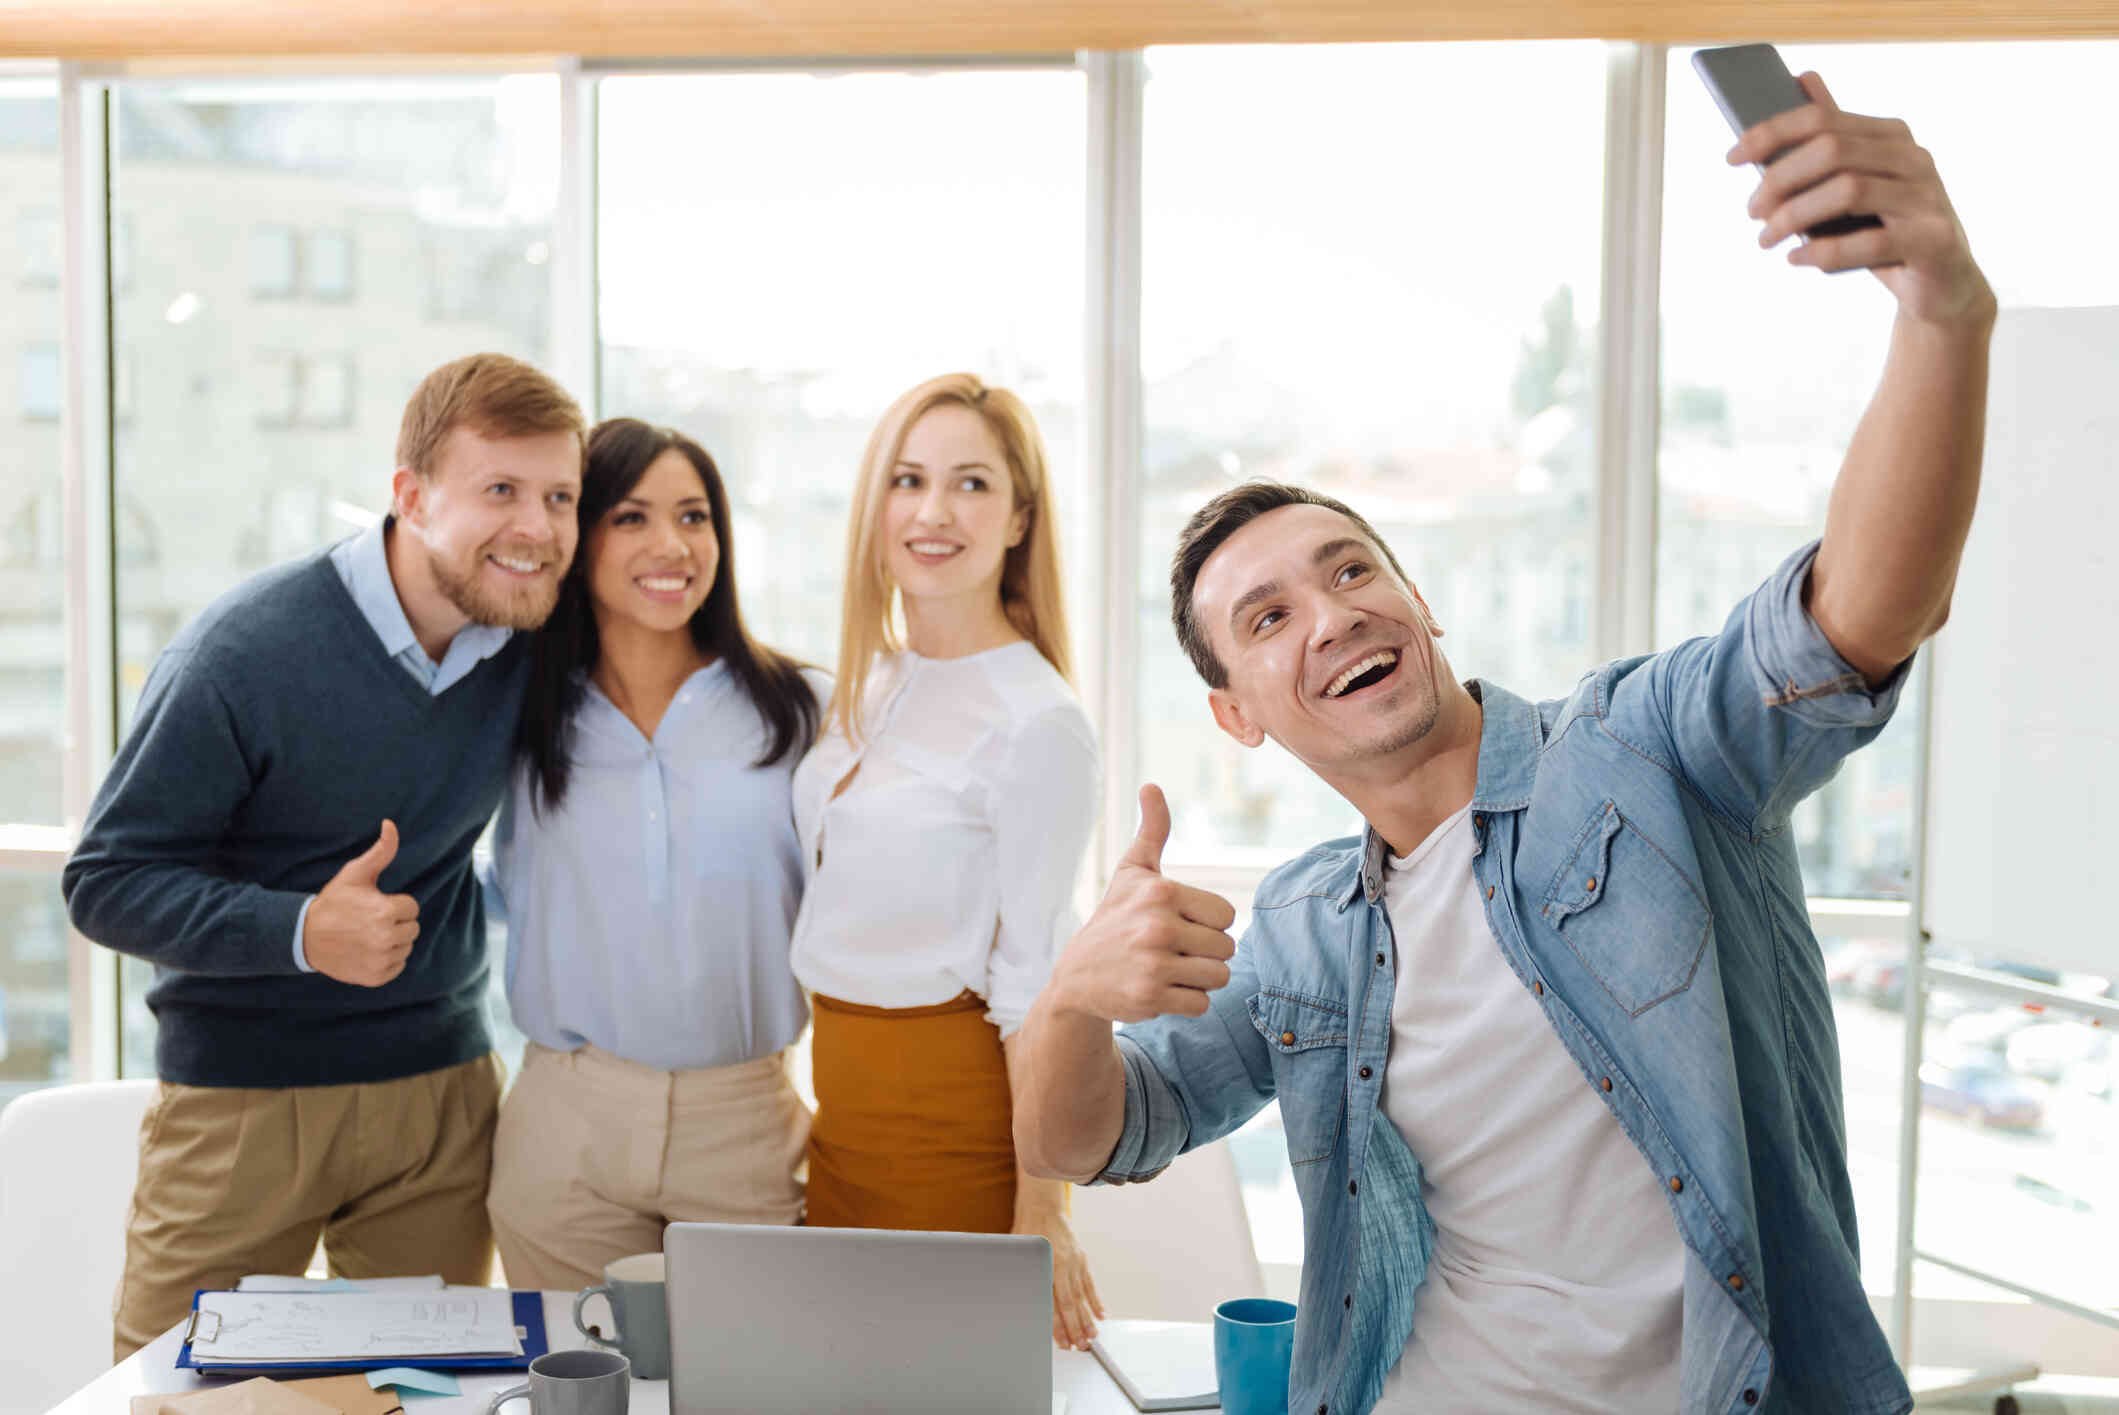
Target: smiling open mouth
(1366,674)
(518,564)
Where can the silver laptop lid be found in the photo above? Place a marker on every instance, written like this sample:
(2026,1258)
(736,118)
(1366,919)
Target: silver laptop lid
(773,1321)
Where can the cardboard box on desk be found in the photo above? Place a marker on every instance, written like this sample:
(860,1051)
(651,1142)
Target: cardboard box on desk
(261,1395)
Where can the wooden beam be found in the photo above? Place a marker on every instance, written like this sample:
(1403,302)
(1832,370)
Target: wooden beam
(123,30)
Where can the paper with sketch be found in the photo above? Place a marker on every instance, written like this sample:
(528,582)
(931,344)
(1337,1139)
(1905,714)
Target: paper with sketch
(1160,1365)
(275,1282)
(308,1327)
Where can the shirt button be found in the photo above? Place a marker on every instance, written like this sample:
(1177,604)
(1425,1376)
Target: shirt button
(1605,1083)
(1350,1301)
(1379,960)
(1538,988)
(1677,1185)
(1366,1073)
(1736,1282)
(1479,821)
(1592,883)
(1353,1186)
(1287,1039)
(1489,891)
(1750,1397)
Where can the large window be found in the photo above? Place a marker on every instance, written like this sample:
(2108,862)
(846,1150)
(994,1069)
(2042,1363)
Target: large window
(1347,284)
(35,990)
(32,578)
(1324,302)
(781,255)
(1766,369)
(281,308)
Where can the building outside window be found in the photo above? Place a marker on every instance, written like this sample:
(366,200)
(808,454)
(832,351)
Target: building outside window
(36,1045)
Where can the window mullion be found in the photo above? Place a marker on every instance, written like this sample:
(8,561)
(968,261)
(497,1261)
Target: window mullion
(87,520)
(1628,356)
(1113,419)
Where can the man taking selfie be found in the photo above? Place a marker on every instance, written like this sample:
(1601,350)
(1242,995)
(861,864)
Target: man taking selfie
(1552,1043)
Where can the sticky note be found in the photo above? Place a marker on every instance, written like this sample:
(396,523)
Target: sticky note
(405,1378)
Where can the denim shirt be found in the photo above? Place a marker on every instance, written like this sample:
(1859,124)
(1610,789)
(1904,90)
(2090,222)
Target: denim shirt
(1634,854)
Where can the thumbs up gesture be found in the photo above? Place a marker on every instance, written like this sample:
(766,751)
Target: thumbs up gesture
(1153,946)
(354,932)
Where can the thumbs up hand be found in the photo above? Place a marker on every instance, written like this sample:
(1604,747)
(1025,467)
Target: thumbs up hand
(354,932)
(1153,946)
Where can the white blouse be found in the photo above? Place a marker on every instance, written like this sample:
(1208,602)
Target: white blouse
(949,861)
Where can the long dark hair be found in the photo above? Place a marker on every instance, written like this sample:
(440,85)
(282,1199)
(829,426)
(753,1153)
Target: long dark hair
(567,647)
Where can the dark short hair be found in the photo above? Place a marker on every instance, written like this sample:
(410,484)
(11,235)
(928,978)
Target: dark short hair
(1214,523)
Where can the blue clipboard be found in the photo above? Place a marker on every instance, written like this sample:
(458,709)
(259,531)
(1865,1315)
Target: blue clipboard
(529,1326)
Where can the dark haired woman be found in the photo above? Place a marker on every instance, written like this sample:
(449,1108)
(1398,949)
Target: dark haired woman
(648,860)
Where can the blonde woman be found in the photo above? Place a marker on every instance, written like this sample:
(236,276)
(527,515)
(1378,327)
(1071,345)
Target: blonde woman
(943,815)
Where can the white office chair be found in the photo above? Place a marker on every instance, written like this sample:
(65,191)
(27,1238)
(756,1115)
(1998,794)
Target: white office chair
(1170,1249)
(68,1158)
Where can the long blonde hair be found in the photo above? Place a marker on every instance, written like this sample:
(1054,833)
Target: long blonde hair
(1031,594)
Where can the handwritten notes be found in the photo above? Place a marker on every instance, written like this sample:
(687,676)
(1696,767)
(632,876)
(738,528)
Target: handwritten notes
(312,1327)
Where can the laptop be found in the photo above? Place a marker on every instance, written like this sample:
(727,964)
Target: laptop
(800,1321)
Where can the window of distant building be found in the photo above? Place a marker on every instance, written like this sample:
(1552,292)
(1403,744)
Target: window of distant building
(40,382)
(276,379)
(326,391)
(327,265)
(274,255)
(38,229)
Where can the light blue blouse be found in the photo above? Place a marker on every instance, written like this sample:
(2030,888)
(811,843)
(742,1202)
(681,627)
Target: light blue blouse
(649,914)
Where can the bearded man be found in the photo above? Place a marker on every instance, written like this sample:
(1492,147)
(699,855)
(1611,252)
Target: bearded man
(286,835)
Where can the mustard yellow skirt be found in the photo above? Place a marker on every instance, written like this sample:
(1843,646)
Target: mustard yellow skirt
(914,1124)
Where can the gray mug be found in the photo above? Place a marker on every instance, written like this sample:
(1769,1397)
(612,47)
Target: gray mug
(573,1383)
(640,1309)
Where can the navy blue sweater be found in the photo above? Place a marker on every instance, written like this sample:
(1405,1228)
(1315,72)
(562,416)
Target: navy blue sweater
(273,738)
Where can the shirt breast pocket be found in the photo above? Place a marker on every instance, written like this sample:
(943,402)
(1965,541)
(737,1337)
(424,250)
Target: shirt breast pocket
(1636,921)
(1308,1039)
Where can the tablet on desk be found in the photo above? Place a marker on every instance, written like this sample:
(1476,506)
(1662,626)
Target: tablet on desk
(1160,1365)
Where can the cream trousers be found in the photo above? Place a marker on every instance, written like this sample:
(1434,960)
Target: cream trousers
(595,1154)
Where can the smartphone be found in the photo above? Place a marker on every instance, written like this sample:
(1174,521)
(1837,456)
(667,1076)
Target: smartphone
(1750,84)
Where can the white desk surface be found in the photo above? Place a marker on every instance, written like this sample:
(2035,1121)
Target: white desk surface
(1075,1374)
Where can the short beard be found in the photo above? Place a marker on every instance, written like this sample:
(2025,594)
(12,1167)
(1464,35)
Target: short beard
(1413,729)
(527,608)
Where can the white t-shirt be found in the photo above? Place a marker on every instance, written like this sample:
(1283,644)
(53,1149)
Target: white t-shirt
(1558,1274)
(949,862)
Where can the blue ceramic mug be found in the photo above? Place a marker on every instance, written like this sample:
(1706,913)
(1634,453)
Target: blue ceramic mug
(1254,1344)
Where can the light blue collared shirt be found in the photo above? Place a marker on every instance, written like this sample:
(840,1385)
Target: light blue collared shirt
(364,565)
(650,913)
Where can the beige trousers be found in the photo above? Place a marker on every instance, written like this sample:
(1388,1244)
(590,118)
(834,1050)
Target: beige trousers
(233,1180)
(595,1154)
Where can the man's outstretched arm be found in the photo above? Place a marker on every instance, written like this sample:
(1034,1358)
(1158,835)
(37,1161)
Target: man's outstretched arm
(1902,506)
(1153,947)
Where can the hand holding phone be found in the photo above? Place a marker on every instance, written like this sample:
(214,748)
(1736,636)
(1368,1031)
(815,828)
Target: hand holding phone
(1750,84)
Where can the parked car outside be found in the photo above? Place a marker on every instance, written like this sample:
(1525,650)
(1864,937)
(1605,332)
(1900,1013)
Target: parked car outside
(1980,1089)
